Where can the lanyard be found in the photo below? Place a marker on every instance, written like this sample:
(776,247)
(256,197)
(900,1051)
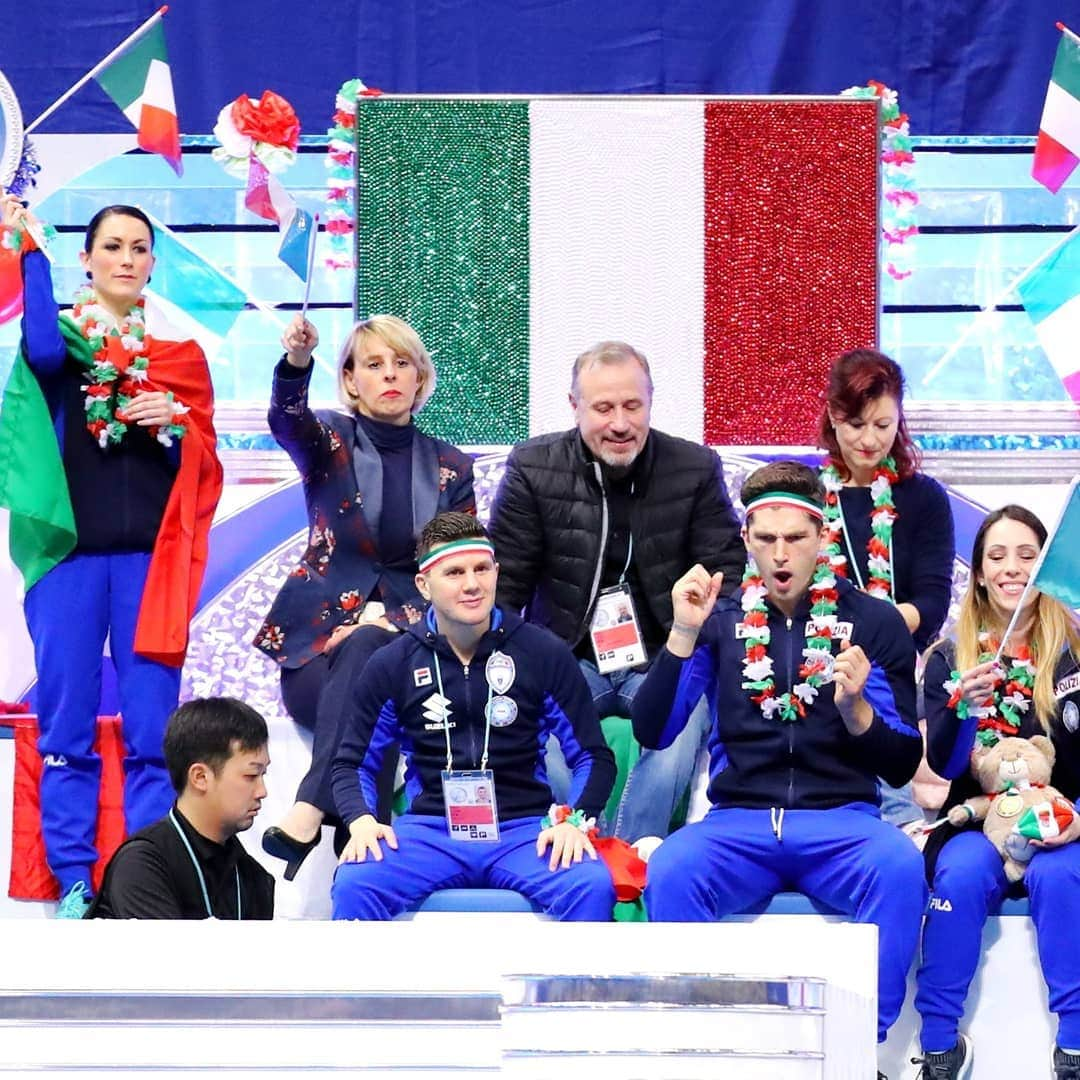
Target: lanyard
(199,873)
(852,561)
(630,540)
(446,719)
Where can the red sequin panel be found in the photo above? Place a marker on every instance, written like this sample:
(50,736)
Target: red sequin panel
(791,246)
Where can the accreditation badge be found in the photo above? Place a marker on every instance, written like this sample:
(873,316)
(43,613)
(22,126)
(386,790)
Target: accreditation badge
(615,633)
(469,797)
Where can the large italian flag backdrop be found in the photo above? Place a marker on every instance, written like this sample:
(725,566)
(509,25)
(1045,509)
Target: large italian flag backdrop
(733,241)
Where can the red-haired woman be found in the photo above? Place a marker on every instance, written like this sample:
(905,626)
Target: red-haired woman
(888,527)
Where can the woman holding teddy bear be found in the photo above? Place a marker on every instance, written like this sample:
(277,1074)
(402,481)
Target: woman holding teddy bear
(971,702)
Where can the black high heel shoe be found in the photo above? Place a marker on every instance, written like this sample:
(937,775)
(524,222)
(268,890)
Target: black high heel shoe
(281,845)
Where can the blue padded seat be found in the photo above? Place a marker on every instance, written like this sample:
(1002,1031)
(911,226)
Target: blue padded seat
(792,903)
(490,900)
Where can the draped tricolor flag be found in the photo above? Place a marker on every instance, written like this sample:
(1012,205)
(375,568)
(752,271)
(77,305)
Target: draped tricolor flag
(1058,148)
(140,82)
(734,242)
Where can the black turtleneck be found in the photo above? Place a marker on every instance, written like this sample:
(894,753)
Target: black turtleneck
(394,444)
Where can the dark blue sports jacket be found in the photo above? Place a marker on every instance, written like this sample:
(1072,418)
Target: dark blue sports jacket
(813,763)
(394,702)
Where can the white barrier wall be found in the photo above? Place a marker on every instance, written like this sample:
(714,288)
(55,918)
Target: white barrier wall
(441,995)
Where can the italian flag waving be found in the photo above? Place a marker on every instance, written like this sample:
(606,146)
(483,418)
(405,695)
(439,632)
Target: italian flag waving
(140,83)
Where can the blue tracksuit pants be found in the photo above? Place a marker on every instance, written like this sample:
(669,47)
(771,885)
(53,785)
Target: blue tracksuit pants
(969,882)
(428,860)
(846,858)
(69,612)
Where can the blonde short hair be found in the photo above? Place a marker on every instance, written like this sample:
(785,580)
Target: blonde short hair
(404,340)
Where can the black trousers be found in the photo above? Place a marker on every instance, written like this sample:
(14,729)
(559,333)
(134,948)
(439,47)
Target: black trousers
(317,696)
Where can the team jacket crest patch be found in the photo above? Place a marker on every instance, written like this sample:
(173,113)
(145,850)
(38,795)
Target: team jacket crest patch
(500,672)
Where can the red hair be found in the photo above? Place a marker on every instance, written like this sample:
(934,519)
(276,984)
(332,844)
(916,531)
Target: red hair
(858,378)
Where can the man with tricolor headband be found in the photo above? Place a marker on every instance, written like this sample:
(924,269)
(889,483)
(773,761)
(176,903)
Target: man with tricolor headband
(472,694)
(811,689)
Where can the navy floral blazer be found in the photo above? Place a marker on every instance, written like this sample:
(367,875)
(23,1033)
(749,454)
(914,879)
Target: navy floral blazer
(343,486)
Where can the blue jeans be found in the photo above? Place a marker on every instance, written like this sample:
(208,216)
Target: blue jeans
(898,805)
(659,780)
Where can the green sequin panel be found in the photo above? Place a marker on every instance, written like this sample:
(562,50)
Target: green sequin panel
(442,238)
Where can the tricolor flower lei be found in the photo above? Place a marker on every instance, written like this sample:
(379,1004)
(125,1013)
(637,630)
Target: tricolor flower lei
(1002,712)
(817,663)
(110,390)
(557,814)
(879,564)
(18,239)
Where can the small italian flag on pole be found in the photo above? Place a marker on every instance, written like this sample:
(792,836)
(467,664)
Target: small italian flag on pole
(1057,151)
(138,79)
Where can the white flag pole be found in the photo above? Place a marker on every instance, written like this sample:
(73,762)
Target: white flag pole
(310,265)
(1067,32)
(981,315)
(99,67)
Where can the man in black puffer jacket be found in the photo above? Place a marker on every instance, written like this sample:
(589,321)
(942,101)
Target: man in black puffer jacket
(613,505)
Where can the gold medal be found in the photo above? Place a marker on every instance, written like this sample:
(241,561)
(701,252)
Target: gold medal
(1009,803)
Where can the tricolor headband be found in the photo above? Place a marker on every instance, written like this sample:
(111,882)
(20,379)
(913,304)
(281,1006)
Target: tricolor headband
(473,545)
(785,498)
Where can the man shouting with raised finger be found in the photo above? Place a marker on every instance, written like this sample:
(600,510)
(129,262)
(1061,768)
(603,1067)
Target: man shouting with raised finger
(811,690)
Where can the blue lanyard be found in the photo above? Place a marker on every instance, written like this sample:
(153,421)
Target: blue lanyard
(199,873)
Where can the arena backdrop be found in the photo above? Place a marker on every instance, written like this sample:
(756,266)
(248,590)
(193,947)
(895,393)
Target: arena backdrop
(962,67)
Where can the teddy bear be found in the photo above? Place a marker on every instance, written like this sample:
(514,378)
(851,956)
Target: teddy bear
(1018,803)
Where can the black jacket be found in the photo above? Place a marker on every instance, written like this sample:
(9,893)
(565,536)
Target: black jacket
(549,527)
(950,740)
(151,876)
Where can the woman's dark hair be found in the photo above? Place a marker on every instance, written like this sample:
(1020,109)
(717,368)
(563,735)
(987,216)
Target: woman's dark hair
(210,730)
(123,211)
(858,378)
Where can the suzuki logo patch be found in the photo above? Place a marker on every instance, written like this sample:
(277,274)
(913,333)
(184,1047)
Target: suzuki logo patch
(437,712)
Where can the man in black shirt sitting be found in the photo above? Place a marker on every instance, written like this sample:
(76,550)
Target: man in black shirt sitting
(190,864)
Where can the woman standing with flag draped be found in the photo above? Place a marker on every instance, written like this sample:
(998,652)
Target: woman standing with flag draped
(109,469)
(972,697)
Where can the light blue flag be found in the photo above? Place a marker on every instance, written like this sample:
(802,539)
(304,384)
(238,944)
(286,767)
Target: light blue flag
(297,239)
(1058,571)
(194,285)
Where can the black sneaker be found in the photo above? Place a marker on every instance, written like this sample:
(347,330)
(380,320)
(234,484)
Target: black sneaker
(1066,1066)
(954,1064)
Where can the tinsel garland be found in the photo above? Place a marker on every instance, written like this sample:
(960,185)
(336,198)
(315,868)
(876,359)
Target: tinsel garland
(899,198)
(26,172)
(341,174)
